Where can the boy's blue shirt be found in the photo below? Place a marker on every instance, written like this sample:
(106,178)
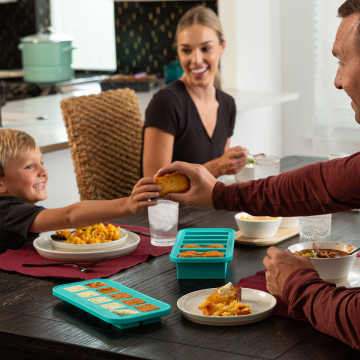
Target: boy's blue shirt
(16,216)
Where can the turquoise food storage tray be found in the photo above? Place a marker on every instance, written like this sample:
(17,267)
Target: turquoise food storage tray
(206,267)
(101,297)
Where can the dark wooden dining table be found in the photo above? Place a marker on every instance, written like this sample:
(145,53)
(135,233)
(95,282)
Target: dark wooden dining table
(36,325)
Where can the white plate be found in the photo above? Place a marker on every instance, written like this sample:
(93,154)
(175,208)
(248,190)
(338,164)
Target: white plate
(261,302)
(353,279)
(44,248)
(63,246)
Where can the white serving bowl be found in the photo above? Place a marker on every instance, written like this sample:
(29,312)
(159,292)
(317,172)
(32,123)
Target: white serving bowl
(246,174)
(289,222)
(334,269)
(63,246)
(261,229)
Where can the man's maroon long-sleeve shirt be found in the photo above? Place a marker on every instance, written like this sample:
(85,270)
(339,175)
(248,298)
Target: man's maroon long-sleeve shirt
(325,187)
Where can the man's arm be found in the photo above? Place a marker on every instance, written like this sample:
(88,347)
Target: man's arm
(330,309)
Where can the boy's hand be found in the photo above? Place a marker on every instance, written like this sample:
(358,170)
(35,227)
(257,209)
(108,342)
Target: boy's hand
(144,190)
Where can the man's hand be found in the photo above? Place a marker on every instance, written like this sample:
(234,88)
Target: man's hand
(201,184)
(280,265)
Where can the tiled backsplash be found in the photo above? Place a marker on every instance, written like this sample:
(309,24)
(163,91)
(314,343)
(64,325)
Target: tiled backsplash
(19,19)
(145,31)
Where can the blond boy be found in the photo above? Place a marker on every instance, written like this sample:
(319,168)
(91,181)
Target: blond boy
(23,180)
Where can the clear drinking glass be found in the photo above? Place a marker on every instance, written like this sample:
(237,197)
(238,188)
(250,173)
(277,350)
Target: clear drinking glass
(315,228)
(266,166)
(163,219)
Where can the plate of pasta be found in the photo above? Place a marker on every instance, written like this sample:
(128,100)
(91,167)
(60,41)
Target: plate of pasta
(91,238)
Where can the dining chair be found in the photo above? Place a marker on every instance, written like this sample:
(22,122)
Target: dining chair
(105,139)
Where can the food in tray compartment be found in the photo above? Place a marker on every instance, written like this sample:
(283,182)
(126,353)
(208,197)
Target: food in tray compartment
(94,234)
(87,294)
(225,301)
(94,285)
(192,254)
(322,253)
(75,288)
(125,312)
(120,296)
(99,300)
(107,290)
(194,246)
(134,301)
(146,308)
(113,305)
(257,219)
(172,183)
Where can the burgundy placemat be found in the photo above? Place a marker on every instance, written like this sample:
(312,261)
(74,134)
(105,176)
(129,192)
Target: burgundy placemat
(258,282)
(12,260)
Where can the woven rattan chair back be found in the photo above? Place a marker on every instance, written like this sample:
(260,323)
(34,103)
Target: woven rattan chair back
(105,139)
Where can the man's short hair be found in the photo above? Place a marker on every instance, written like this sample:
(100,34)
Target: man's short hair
(348,8)
(13,143)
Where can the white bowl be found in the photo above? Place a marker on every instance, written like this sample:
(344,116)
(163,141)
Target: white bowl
(261,229)
(334,269)
(289,222)
(246,174)
(62,245)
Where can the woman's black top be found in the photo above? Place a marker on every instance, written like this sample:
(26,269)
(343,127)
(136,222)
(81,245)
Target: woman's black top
(173,110)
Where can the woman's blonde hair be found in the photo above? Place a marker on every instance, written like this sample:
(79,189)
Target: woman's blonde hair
(13,143)
(202,16)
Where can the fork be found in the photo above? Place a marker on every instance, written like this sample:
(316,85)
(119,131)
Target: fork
(82,266)
(75,263)
(82,269)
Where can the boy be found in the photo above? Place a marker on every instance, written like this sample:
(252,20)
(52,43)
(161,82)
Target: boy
(23,180)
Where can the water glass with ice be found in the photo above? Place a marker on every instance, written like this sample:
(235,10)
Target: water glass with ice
(315,228)
(266,166)
(163,219)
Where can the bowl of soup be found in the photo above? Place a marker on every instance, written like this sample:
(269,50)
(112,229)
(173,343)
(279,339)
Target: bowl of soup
(257,227)
(330,258)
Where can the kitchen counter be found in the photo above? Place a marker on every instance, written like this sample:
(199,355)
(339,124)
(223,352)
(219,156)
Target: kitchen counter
(50,133)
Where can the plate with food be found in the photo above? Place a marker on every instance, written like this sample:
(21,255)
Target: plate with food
(91,238)
(226,306)
(44,247)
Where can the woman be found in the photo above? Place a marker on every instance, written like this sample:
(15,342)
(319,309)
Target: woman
(191,120)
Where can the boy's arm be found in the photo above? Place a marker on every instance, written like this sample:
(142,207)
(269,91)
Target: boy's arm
(86,213)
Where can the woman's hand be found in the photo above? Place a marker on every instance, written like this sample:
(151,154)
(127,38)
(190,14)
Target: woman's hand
(144,190)
(201,184)
(233,160)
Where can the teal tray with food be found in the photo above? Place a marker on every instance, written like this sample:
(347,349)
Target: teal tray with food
(203,253)
(112,302)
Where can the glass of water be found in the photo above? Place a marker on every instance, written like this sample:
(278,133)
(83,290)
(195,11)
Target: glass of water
(315,228)
(163,219)
(266,166)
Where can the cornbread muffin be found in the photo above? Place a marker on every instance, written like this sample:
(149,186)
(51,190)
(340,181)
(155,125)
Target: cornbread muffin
(225,301)
(172,183)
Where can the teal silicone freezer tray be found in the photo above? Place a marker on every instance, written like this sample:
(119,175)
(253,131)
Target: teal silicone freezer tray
(205,267)
(97,301)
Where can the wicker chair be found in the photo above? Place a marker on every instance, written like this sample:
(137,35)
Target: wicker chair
(105,139)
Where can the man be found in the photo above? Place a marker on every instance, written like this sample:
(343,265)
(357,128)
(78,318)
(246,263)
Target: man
(311,190)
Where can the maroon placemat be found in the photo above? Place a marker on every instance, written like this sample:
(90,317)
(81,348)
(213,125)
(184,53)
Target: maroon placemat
(12,260)
(258,282)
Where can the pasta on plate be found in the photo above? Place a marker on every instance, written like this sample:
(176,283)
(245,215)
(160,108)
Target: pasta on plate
(94,234)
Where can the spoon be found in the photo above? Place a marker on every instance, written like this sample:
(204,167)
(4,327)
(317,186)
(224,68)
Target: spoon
(59,238)
(354,251)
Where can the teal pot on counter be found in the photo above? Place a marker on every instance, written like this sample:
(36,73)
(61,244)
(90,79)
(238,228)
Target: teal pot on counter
(47,57)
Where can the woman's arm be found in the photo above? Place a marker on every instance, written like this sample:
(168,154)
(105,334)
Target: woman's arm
(86,213)
(231,162)
(157,150)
